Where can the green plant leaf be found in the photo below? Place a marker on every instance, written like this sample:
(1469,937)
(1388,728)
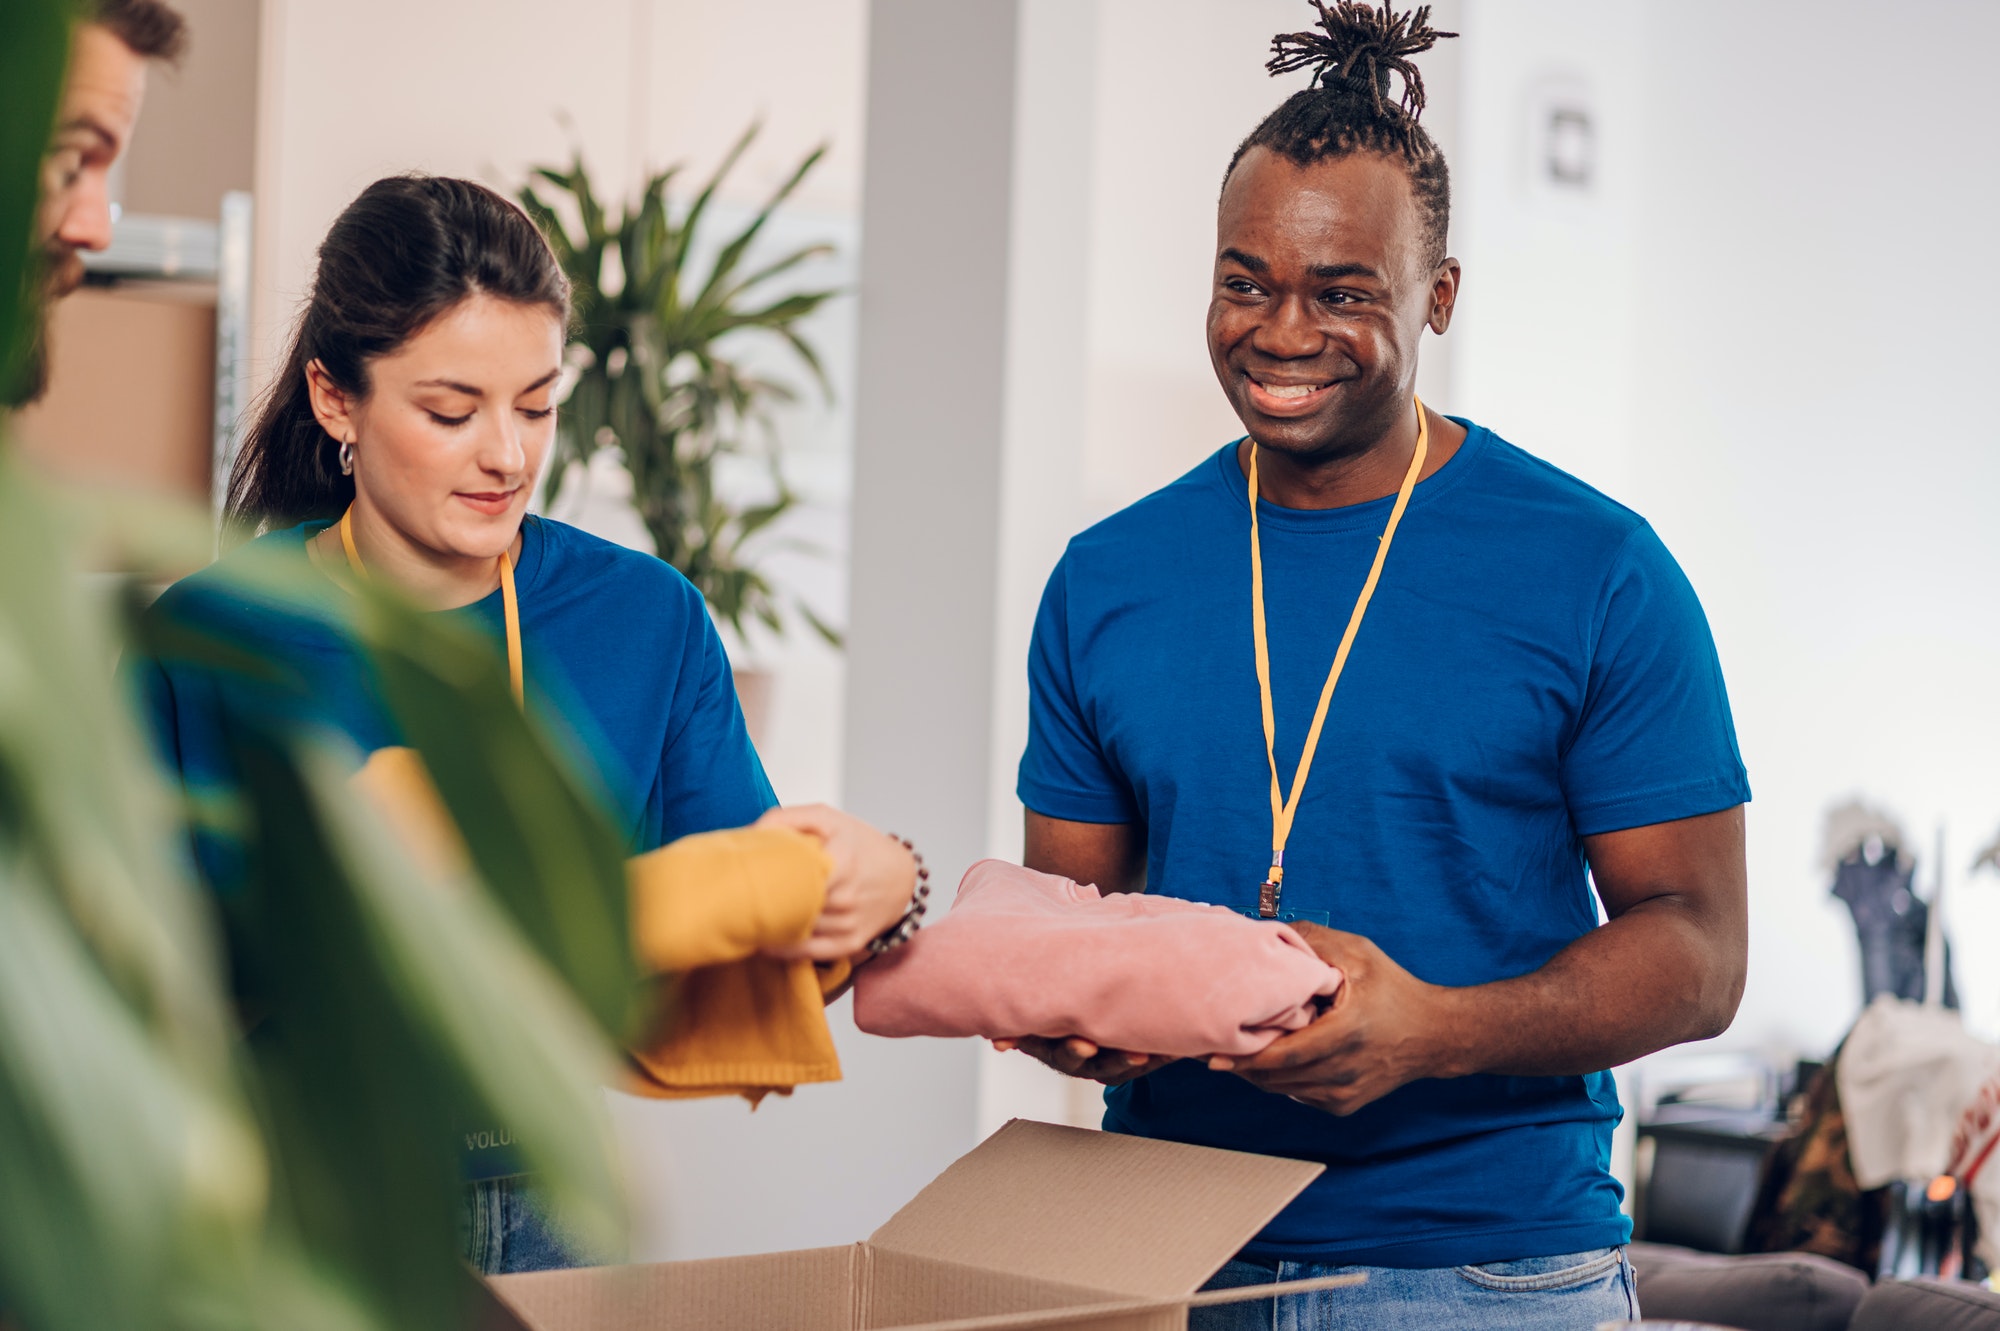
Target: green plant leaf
(832,636)
(783,311)
(34,37)
(548,851)
(733,252)
(544,217)
(691,221)
(161,638)
(137,1179)
(401,1015)
(681,400)
(588,208)
(811,358)
(646,285)
(540,842)
(753,520)
(101,1128)
(776,268)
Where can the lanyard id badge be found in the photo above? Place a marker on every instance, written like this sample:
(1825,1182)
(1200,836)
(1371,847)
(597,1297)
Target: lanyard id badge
(1286,916)
(1284,808)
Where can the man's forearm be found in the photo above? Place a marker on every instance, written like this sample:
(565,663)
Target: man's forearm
(1651,978)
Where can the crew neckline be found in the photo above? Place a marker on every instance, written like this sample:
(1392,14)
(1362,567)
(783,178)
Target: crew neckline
(1228,476)
(527,570)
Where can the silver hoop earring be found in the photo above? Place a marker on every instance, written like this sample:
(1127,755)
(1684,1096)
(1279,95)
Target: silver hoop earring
(347,457)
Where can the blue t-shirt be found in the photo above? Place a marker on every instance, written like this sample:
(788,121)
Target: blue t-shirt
(1534,669)
(617,647)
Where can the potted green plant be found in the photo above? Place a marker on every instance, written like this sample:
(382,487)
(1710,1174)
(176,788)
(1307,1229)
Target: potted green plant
(657,348)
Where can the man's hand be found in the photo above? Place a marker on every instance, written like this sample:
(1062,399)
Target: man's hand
(1384,1029)
(1667,967)
(1076,1057)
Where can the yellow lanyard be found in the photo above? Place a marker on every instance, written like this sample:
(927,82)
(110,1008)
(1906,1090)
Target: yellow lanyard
(1284,809)
(516,676)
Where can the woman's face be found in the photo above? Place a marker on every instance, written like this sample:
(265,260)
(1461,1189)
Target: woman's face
(456,425)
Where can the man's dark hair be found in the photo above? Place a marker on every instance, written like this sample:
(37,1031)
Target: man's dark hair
(152,29)
(1348,110)
(407,251)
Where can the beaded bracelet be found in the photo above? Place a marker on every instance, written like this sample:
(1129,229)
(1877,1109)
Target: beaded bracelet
(904,929)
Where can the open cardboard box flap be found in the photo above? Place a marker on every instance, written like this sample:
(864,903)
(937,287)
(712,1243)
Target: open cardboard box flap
(1038,1226)
(1097,1209)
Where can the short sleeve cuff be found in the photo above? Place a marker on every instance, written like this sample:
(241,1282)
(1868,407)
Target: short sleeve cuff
(1646,808)
(1075,806)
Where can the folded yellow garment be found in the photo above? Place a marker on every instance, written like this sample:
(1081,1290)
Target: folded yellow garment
(727,1020)
(752,1028)
(724,896)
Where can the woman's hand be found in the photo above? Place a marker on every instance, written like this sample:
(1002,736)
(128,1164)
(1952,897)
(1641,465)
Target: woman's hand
(872,881)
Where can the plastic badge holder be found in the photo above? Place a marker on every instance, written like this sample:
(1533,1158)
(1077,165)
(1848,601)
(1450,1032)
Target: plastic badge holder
(1319,917)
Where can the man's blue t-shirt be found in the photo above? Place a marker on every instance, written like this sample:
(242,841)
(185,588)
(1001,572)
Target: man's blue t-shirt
(1534,669)
(618,651)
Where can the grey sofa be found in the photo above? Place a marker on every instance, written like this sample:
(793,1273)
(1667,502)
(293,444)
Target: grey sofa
(1931,1305)
(1799,1292)
(1764,1292)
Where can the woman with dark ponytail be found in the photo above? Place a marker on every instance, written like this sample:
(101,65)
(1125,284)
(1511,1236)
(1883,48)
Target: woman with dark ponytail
(401,441)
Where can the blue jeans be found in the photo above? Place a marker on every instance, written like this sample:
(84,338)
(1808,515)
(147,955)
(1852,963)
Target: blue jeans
(1569,1293)
(506,1228)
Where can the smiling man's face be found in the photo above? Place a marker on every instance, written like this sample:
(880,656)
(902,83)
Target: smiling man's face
(1322,288)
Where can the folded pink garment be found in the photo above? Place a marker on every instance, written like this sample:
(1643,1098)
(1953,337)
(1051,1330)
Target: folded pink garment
(1026,953)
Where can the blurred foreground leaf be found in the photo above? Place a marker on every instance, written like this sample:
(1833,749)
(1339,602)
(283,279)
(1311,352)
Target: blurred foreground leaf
(538,836)
(166,1180)
(153,1173)
(34,40)
(116,1073)
(400,1014)
(547,850)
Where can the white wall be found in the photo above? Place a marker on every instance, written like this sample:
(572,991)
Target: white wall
(1815,332)
(796,67)
(1543,340)
(485,88)
(1760,331)
(196,140)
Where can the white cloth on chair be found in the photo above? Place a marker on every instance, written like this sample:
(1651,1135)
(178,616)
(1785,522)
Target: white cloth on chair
(1907,1074)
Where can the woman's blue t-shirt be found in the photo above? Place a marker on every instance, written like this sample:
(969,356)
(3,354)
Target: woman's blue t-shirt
(1534,669)
(618,650)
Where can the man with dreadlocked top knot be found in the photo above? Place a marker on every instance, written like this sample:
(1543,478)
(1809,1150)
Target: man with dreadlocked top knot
(1378,671)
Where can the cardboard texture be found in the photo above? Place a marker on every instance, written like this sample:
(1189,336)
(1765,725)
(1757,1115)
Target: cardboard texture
(131,400)
(1038,1226)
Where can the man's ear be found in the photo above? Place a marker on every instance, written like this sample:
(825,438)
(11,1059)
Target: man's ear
(332,407)
(1444,294)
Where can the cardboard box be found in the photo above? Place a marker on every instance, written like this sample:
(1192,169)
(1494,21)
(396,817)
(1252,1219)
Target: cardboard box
(1038,1226)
